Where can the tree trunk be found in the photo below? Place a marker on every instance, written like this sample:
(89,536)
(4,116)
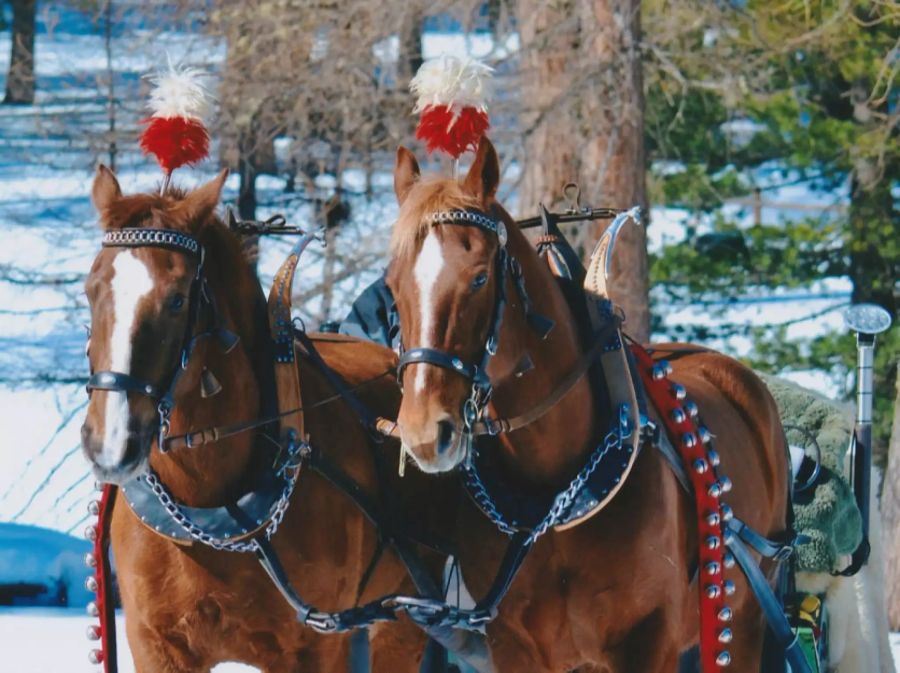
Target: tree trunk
(20,80)
(584,123)
(890,514)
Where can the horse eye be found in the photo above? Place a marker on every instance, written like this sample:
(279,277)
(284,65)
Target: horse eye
(480,280)
(176,302)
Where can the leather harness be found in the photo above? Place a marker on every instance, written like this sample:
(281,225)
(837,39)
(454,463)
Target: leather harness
(248,521)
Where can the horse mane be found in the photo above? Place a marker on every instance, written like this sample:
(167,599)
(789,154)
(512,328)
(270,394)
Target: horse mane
(428,195)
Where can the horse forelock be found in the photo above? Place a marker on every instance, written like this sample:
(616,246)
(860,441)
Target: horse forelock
(429,195)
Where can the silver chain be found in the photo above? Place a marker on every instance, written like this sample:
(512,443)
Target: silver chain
(290,471)
(144,237)
(563,500)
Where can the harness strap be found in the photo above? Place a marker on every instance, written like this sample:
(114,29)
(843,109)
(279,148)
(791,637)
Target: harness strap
(779,551)
(495,426)
(768,601)
(121,382)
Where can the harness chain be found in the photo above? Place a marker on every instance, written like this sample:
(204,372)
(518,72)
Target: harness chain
(564,499)
(290,471)
(694,444)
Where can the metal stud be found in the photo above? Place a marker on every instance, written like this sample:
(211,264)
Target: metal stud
(726,615)
(679,391)
(93,610)
(98,485)
(724,658)
(727,513)
(678,415)
(705,434)
(713,568)
(728,559)
(725,636)
(689,440)
(729,588)
(691,407)
(91,584)
(93,632)
(713,542)
(713,591)
(90,560)
(95,657)
(714,490)
(726,484)
(91,533)
(700,466)
(714,458)
(93,508)
(712,519)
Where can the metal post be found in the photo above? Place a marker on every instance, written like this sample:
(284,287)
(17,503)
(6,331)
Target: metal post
(866,320)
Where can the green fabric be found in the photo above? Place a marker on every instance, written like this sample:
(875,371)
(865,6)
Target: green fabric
(826,513)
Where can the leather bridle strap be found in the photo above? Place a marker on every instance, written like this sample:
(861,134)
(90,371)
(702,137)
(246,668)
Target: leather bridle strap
(124,382)
(494,426)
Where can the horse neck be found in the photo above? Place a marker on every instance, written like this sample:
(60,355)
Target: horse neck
(551,448)
(215,473)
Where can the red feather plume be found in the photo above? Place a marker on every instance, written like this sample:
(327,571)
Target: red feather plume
(450,132)
(175,141)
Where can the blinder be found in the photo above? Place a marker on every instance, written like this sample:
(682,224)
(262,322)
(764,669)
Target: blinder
(199,296)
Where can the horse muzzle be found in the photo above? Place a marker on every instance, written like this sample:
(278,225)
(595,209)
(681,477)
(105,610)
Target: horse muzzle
(439,447)
(117,464)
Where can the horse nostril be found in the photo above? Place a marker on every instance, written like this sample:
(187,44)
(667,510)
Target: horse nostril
(445,436)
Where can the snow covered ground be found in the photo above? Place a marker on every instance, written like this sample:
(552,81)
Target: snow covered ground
(39,640)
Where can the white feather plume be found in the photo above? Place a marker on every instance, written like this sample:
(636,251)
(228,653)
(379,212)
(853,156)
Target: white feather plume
(453,82)
(180,92)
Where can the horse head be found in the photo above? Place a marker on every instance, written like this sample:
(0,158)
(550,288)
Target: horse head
(446,280)
(150,302)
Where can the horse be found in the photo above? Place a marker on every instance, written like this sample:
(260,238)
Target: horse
(618,592)
(189,606)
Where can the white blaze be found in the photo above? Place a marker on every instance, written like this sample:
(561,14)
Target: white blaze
(130,283)
(426,271)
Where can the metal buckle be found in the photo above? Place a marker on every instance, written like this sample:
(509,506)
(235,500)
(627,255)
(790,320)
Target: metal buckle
(470,413)
(164,409)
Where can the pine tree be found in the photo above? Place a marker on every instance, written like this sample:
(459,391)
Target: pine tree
(814,80)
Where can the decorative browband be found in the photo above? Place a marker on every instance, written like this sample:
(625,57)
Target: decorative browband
(469,217)
(163,238)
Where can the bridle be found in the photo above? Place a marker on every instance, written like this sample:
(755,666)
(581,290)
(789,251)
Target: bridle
(199,298)
(474,406)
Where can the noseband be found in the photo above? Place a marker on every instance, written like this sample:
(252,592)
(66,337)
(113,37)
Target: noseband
(198,297)
(476,373)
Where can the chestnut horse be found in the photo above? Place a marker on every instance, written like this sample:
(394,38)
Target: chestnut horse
(614,593)
(190,606)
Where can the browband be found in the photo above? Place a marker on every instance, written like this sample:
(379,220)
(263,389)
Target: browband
(470,218)
(163,238)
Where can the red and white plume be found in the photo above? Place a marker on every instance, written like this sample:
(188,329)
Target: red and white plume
(451,98)
(175,133)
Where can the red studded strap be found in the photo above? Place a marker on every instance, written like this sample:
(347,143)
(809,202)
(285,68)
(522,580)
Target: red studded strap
(100,583)
(694,444)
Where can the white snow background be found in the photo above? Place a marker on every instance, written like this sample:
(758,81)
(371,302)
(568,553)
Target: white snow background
(48,232)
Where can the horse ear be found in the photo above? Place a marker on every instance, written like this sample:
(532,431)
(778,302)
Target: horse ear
(406,172)
(484,175)
(106,190)
(198,204)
